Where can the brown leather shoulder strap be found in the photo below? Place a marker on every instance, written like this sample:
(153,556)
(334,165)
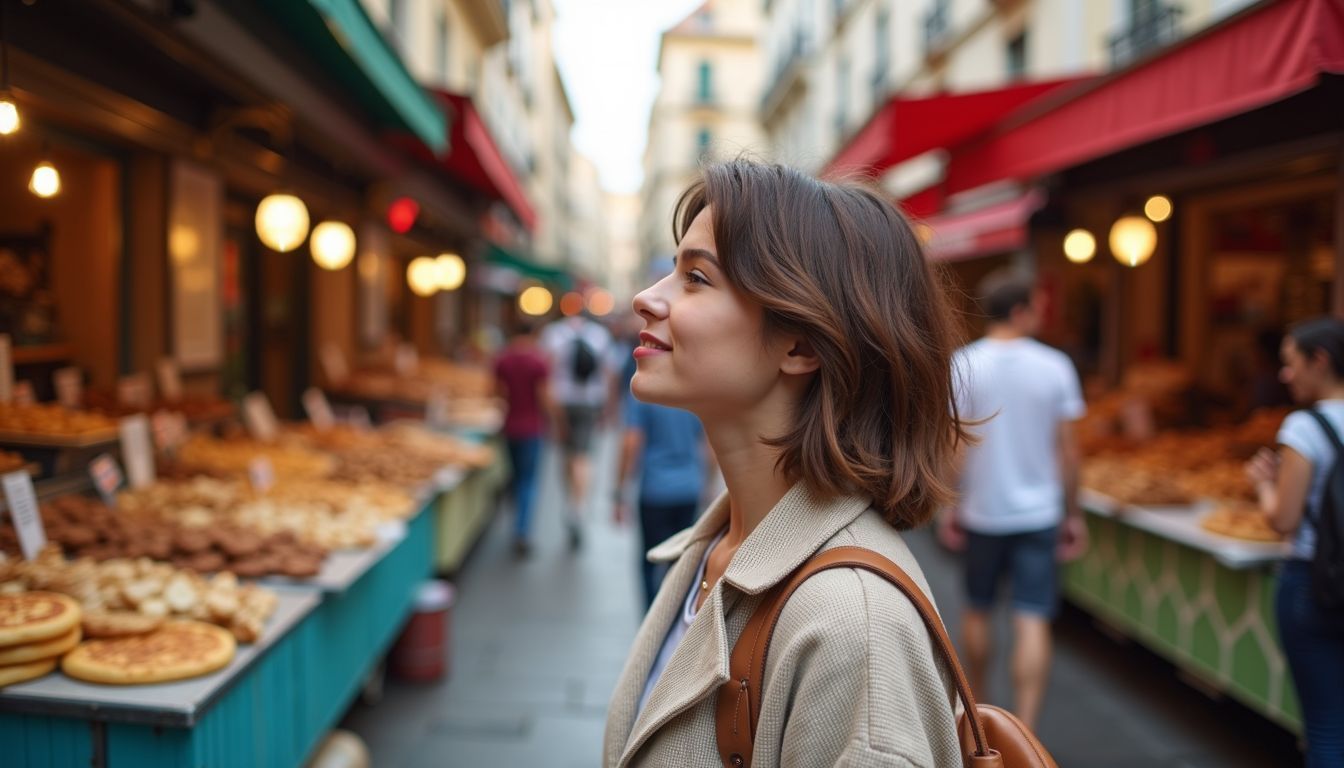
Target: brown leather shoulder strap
(739,700)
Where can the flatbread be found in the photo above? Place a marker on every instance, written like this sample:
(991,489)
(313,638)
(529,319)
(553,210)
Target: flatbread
(42,649)
(28,617)
(102,624)
(1240,522)
(176,651)
(19,673)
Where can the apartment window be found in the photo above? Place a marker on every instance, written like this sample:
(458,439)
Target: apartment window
(441,47)
(1152,24)
(1017,56)
(882,55)
(396,10)
(703,138)
(704,89)
(937,24)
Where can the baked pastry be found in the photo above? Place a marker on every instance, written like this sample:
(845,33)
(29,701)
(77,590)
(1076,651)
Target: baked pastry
(29,617)
(19,673)
(1240,522)
(176,651)
(42,649)
(103,624)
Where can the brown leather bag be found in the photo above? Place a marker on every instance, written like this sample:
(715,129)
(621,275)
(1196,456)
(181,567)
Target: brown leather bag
(990,737)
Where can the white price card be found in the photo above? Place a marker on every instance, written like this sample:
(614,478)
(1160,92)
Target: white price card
(260,417)
(137,451)
(135,391)
(436,409)
(319,410)
(406,360)
(24,511)
(24,394)
(170,380)
(6,369)
(262,474)
(69,385)
(334,366)
(359,419)
(107,477)
(170,430)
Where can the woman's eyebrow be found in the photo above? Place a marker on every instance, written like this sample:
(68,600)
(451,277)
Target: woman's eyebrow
(699,253)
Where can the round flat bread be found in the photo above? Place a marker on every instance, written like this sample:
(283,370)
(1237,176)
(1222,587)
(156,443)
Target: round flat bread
(43,649)
(176,651)
(28,617)
(19,673)
(102,624)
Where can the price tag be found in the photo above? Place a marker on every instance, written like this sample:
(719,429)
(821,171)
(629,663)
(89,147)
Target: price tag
(170,380)
(69,384)
(359,418)
(137,451)
(23,509)
(406,360)
(6,370)
(436,409)
(319,410)
(107,477)
(260,417)
(262,474)
(170,430)
(24,394)
(334,366)
(134,391)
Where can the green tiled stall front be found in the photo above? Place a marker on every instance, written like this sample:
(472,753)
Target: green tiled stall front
(280,707)
(463,514)
(1210,620)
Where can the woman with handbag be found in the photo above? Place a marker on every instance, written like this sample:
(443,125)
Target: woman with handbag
(804,327)
(1291,484)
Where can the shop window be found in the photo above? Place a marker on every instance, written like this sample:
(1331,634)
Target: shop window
(1017,56)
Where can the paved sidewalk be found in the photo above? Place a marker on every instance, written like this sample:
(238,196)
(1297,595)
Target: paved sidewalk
(538,643)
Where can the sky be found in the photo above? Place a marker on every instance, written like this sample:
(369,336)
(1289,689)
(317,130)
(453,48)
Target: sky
(607,51)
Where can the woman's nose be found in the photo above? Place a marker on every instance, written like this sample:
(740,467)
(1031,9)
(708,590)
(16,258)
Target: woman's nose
(650,304)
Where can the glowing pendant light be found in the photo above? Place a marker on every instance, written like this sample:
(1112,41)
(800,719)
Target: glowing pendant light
(46,180)
(333,245)
(282,222)
(452,271)
(1133,240)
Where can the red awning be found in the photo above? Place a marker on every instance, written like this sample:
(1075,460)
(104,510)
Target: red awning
(1260,57)
(993,229)
(908,127)
(474,157)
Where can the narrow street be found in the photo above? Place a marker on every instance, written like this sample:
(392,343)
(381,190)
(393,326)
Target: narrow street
(538,643)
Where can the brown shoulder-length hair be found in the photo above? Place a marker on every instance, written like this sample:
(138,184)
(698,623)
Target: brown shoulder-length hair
(840,266)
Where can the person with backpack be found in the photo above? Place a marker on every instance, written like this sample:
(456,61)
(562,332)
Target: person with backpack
(805,329)
(581,387)
(1301,490)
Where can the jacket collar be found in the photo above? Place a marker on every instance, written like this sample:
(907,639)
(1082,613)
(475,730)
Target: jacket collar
(791,533)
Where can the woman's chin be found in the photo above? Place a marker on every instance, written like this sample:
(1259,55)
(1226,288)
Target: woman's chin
(646,390)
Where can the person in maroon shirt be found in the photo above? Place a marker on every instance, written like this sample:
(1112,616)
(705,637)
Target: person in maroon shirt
(521,371)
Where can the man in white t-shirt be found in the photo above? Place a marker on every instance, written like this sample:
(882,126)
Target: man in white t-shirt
(581,387)
(1018,513)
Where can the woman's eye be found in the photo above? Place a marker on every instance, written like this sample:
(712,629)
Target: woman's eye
(694,276)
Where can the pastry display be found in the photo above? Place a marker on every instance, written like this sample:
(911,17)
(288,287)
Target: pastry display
(1133,484)
(36,616)
(176,651)
(1240,521)
(235,457)
(140,586)
(52,420)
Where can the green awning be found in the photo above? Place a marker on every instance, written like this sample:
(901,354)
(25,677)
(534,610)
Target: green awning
(345,43)
(553,275)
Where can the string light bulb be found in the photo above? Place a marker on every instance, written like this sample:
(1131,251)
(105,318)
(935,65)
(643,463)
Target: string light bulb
(282,222)
(9,116)
(333,245)
(46,180)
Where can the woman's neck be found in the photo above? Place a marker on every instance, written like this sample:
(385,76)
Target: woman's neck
(754,483)
(1334,391)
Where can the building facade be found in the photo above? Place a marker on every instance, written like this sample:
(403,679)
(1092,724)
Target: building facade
(711,72)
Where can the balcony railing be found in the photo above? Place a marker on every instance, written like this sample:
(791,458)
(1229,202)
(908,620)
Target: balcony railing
(1157,25)
(936,27)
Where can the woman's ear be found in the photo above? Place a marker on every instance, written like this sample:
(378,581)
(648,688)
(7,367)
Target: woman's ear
(801,358)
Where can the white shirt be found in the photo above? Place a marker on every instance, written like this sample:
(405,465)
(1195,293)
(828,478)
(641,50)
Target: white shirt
(557,339)
(1010,482)
(1301,433)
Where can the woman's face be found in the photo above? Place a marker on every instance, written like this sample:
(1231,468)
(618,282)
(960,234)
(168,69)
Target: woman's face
(1304,375)
(703,347)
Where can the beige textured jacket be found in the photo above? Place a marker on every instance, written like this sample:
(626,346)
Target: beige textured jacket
(851,678)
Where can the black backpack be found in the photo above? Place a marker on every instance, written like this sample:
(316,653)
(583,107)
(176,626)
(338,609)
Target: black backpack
(1327,567)
(582,360)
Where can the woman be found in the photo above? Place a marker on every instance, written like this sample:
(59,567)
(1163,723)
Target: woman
(1291,486)
(804,328)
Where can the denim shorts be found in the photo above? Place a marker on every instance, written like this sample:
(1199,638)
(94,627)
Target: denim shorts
(1027,559)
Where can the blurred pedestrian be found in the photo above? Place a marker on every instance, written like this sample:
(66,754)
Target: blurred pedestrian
(668,445)
(581,388)
(521,372)
(1018,514)
(1291,485)
(805,329)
